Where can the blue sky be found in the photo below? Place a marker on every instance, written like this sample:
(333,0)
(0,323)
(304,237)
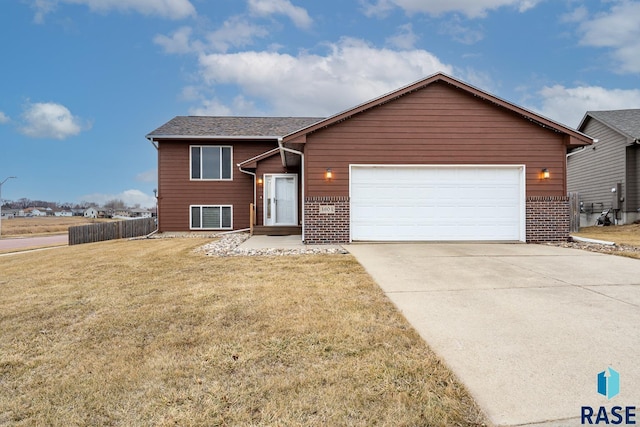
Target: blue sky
(83,81)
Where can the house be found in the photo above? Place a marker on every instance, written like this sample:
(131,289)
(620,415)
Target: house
(606,175)
(12,213)
(90,212)
(139,213)
(435,160)
(35,211)
(62,212)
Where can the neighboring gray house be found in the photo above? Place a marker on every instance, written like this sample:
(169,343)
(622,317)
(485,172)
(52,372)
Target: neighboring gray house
(611,163)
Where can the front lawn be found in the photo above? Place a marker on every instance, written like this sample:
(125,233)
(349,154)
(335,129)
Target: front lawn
(147,332)
(621,234)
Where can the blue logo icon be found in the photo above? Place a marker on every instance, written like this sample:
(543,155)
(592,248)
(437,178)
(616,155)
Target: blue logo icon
(609,383)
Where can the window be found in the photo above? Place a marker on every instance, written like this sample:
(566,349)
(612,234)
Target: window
(210,162)
(211,217)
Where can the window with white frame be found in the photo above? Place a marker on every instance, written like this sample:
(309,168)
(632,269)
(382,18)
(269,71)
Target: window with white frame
(211,218)
(210,162)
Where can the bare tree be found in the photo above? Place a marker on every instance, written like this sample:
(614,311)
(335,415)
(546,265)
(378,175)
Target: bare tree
(115,204)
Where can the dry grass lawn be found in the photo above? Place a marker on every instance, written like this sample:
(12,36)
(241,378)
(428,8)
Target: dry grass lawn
(147,332)
(40,226)
(621,234)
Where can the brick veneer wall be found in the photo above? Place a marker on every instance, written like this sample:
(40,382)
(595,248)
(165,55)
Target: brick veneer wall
(548,219)
(322,228)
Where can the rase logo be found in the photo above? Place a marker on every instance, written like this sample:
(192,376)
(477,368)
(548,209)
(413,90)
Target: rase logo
(608,385)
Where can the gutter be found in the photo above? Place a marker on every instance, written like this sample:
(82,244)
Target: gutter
(580,150)
(216,137)
(284,149)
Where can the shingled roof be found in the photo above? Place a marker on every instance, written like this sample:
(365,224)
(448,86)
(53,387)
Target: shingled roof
(626,122)
(250,127)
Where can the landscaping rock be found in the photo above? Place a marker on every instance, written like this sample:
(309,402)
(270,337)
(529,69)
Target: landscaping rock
(227,246)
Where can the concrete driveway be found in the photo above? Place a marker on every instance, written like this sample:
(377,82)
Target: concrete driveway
(527,328)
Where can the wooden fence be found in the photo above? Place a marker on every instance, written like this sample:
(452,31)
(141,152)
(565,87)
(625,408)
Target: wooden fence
(111,230)
(574,206)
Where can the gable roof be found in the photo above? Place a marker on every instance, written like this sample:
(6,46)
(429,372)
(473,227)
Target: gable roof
(185,127)
(625,122)
(576,138)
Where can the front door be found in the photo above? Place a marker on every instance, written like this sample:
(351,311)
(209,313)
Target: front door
(281,199)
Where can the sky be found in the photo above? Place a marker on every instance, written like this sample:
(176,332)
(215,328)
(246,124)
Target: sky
(83,81)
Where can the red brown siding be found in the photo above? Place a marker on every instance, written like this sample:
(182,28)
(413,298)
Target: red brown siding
(177,192)
(272,165)
(439,124)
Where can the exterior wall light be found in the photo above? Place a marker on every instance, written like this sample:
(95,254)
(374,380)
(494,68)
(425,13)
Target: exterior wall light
(545,173)
(328,175)
(259,181)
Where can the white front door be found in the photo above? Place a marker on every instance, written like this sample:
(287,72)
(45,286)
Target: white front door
(281,199)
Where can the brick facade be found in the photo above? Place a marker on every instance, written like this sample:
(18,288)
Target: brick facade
(332,227)
(548,219)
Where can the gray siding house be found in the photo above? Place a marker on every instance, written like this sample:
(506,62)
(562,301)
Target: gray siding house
(612,162)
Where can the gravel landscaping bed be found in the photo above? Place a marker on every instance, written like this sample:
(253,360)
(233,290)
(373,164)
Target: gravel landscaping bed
(228,244)
(616,249)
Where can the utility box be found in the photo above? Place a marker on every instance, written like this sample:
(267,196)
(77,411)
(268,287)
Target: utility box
(617,198)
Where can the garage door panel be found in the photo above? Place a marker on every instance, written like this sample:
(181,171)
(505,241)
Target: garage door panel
(437,203)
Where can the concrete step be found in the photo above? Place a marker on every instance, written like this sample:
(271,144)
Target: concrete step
(277,230)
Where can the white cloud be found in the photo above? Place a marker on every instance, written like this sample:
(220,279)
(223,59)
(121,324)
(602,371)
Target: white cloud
(404,39)
(577,15)
(129,197)
(470,8)
(461,32)
(568,105)
(298,15)
(172,9)
(617,29)
(235,32)
(148,176)
(350,73)
(178,42)
(214,107)
(4,118)
(50,120)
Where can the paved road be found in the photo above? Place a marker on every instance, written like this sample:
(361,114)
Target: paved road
(527,328)
(33,242)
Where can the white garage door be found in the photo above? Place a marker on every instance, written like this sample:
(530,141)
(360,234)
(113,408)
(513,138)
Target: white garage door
(438,203)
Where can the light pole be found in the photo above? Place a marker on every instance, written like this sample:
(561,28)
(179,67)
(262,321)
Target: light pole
(5,180)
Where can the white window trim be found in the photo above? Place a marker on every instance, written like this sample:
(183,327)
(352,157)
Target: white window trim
(208,206)
(231,168)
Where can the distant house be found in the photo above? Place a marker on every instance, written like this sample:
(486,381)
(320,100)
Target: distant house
(8,213)
(63,213)
(435,160)
(90,213)
(607,174)
(140,213)
(12,213)
(35,212)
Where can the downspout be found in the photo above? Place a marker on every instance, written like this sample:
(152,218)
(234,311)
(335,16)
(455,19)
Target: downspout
(157,147)
(254,185)
(301,154)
